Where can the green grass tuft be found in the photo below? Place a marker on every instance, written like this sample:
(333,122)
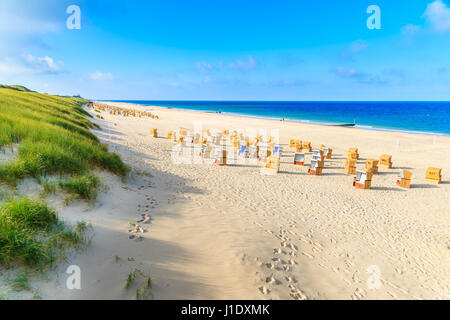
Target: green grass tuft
(86,186)
(49,186)
(31,234)
(21,282)
(130,278)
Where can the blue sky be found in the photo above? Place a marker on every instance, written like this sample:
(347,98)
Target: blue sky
(229,50)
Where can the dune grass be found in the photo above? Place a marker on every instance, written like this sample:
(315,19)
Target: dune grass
(53,136)
(31,234)
(85,186)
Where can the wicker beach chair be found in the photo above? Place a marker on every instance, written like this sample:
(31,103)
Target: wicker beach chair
(372,165)
(221,157)
(353,154)
(154,133)
(350,166)
(433,175)
(386,161)
(404,179)
(363,180)
(299,159)
(316,167)
(272,166)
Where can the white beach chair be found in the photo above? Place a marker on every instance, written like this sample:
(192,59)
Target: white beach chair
(299,159)
(316,166)
(363,180)
(318,154)
(361,176)
(404,179)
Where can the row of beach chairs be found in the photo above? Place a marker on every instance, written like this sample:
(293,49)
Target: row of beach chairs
(268,151)
(121,111)
(362,178)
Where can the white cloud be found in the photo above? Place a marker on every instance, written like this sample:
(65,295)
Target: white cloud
(437,15)
(29,64)
(410,30)
(219,81)
(358,76)
(43,64)
(287,83)
(244,65)
(356,46)
(101,76)
(347,72)
(204,67)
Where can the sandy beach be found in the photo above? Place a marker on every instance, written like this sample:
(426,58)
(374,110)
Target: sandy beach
(151,150)
(227,232)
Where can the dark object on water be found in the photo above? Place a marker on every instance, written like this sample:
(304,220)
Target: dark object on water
(345,125)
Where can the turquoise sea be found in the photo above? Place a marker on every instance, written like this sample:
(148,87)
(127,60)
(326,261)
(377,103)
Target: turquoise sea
(412,117)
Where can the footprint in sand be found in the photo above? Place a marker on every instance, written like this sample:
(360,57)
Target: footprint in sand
(270,266)
(291,280)
(393,295)
(272,280)
(135,237)
(136,229)
(287,268)
(296,293)
(308,255)
(136,232)
(264,290)
(145,218)
(355,277)
(358,294)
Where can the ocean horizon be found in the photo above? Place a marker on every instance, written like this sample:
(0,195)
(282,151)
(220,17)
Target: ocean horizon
(431,118)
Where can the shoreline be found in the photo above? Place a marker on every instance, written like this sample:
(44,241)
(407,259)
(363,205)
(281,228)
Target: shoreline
(290,120)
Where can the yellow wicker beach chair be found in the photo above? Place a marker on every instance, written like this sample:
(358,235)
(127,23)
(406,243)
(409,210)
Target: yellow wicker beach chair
(433,175)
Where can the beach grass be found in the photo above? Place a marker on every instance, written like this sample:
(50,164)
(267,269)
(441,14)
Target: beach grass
(85,186)
(31,234)
(53,137)
(49,135)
